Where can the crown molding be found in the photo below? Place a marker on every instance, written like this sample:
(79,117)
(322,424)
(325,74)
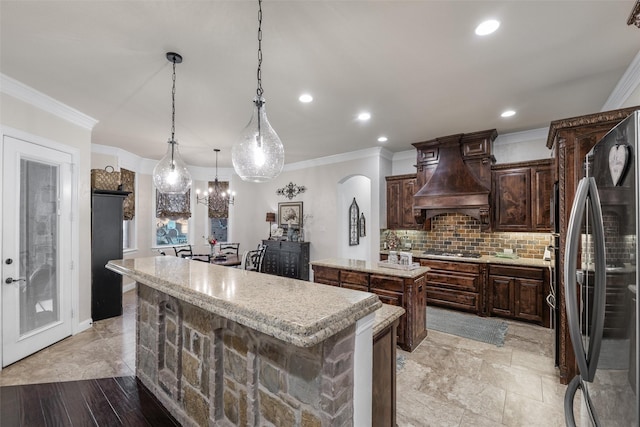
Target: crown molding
(625,87)
(339,158)
(524,136)
(404,155)
(145,166)
(38,99)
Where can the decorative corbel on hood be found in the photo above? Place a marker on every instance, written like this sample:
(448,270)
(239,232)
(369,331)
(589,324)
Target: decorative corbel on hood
(454,175)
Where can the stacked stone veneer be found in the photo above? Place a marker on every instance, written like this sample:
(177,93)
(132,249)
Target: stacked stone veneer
(458,232)
(209,370)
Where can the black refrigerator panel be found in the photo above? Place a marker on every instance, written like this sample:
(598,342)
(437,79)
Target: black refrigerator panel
(106,244)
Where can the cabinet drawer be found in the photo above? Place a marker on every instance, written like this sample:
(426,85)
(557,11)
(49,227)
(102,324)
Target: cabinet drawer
(465,267)
(387,282)
(354,277)
(461,300)
(451,280)
(325,273)
(514,271)
(388,297)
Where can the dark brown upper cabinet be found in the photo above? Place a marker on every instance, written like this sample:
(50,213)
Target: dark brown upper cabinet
(400,191)
(521,196)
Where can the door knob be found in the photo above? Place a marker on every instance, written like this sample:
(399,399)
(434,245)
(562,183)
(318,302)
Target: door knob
(11,280)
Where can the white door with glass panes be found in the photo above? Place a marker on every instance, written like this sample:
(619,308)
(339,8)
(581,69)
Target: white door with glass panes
(36,247)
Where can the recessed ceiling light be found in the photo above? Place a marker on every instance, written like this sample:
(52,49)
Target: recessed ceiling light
(306,98)
(487,27)
(383,139)
(508,113)
(364,116)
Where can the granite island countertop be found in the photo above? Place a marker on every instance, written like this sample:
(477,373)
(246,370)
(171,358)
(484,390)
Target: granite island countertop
(295,311)
(484,259)
(368,267)
(386,315)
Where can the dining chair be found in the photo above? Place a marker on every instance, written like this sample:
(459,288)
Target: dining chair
(183,251)
(230,248)
(187,252)
(254,259)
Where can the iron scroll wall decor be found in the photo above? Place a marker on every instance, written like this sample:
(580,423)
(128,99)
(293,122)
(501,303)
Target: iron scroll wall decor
(291,190)
(354,222)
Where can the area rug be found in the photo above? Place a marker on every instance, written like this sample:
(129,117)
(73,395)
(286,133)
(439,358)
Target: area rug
(465,325)
(400,361)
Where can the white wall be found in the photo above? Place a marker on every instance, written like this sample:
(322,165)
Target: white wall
(322,178)
(356,187)
(33,120)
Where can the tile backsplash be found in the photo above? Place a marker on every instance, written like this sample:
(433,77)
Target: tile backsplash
(458,232)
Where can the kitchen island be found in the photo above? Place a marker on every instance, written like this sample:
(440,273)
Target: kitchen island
(218,345)
(402,288)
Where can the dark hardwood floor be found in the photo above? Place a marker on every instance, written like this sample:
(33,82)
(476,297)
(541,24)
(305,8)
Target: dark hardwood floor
(98,402)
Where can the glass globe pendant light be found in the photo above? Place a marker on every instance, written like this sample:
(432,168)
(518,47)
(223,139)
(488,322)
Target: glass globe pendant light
(171,175)
(259,155)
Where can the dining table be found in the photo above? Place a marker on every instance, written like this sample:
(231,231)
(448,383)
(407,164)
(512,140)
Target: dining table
(228,260)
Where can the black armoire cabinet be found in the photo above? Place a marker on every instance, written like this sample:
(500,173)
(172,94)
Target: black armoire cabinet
(288,259)
(106,244)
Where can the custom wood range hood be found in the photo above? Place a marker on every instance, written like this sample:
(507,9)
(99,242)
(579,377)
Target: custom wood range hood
(454,175)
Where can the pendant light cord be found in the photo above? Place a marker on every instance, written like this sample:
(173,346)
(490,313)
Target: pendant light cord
(173,113)
(259,91)
(173,101)
(259,102)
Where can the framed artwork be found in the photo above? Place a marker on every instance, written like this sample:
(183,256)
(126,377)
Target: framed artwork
(354,223)
(363,225)
(290,214)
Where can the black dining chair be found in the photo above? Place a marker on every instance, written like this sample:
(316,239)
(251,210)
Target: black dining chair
(254,259)
(183,251)
(187,252)
(230,248)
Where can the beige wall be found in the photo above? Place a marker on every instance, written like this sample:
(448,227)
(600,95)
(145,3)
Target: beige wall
(27,118)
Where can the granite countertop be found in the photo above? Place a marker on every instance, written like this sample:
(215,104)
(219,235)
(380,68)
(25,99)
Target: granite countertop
(385,316)
(368,267)
(484,259)
(295,311)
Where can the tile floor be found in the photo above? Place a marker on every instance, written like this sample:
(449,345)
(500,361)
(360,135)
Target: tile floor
(446,381)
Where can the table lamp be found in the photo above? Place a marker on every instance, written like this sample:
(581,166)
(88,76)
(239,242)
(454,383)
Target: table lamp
(271,218)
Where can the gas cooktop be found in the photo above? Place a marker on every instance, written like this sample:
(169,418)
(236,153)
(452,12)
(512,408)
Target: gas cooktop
(457,254)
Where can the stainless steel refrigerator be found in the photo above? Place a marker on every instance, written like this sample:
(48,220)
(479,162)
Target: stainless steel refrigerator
(601,281)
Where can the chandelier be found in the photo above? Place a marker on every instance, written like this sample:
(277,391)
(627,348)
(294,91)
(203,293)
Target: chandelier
(216,198)
(259,156)
(171,175)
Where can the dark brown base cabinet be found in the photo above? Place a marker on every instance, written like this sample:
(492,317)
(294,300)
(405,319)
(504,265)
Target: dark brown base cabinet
(384,377)
(518,293)
(457,285)
(106,244)
(489,289)
(288,259)
(402,292)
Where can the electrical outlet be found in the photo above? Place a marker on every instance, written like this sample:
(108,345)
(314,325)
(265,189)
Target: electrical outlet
(508,251)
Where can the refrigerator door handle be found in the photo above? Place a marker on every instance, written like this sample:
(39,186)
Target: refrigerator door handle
(587,359)
(599,285)
(569,396)
(571,256)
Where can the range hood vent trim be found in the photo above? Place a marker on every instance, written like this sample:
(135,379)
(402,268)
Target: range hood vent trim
(452,187)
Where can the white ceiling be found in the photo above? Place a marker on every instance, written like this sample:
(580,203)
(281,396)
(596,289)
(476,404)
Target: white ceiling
(417,66)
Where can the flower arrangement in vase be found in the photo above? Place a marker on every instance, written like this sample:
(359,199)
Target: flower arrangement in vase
(212,242)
